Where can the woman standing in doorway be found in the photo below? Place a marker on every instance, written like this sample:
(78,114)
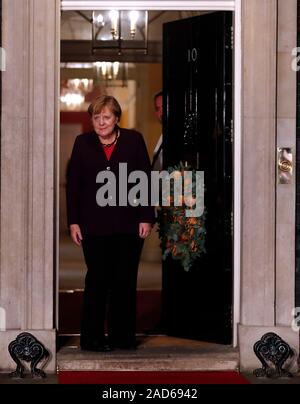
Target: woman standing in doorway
(111,236)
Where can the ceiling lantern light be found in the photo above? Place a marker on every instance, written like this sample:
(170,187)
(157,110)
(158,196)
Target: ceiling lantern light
(120,31)
(133,17)
(114,20)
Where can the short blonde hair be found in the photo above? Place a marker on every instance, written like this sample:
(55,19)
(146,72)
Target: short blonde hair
(105,101)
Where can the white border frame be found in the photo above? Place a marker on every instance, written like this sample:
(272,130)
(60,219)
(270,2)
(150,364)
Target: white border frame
(202,5)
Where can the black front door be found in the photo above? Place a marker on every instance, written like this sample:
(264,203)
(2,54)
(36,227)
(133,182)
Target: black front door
(198,129)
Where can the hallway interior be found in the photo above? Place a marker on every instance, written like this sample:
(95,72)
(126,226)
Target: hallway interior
(71,285)
(72,267)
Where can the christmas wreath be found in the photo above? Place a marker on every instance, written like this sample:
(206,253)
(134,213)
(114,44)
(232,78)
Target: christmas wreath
(182,237)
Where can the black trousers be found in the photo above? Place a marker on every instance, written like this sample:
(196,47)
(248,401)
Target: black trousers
(110,288)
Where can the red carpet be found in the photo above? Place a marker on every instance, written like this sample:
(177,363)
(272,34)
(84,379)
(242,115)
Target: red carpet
(190,378)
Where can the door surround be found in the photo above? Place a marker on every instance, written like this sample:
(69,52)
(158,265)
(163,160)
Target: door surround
(200,5)
(29,170)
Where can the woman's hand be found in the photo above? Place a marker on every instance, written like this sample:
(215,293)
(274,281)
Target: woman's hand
(76,234)
(145,230)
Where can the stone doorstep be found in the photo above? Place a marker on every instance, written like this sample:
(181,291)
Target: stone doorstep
(154,353)
(146,361)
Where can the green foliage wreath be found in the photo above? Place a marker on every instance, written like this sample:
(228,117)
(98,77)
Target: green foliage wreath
(182,237)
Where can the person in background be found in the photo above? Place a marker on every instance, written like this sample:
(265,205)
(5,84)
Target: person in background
(111,236)
(157,162)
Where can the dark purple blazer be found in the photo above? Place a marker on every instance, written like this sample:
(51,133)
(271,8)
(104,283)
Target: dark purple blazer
(87,160)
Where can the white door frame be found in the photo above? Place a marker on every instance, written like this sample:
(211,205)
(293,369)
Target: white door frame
(201,5)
